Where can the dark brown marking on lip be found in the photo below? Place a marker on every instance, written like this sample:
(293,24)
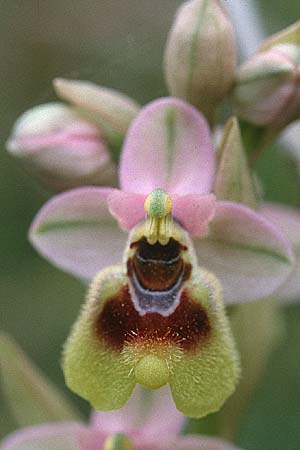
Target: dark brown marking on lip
(119,323)
(157,266)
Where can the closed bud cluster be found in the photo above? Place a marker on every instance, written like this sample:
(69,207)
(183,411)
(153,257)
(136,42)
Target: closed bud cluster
(200,56)
(267,92)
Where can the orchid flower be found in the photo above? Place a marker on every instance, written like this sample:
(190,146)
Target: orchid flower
(145,423)
(158,318)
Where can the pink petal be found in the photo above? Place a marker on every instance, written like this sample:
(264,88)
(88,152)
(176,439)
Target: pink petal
(67,436)
(148,416)
(202,443)
(249,255)
(127,208)
(76,232)
(168,146)
(194,212)
(288,220)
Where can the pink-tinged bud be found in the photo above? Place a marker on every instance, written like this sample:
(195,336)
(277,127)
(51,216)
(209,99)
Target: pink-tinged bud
(267,92)
(200,55)
(60,148)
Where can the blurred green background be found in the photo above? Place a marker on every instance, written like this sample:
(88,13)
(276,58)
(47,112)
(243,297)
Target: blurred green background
(118,43)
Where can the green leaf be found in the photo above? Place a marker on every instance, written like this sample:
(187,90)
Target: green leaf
(31,396)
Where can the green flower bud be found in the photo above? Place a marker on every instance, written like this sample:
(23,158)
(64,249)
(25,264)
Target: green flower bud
(200,55)
(233,181)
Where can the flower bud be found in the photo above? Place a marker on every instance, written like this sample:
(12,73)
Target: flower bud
(107,108)
(233,180)
(200,56)
(267,92)
(60,148)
